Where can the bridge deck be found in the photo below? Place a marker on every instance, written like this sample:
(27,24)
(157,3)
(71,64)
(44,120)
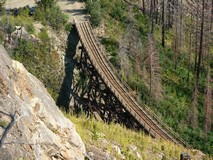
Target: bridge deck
(148,120)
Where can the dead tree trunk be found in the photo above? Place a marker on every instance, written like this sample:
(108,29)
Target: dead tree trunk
(163,24)
(201,43)
(208,103)
(190,50)
(144,7)
(208,91)
(196,36)
(195,97)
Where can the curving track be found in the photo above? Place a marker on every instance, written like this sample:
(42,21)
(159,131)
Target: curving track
(145,117)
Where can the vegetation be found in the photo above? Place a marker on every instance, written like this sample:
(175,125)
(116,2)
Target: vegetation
(161,61)
(39,61)
(93,8)
(2,2)
(8,22)
(46,4)
(3,123)
(50,14)
(94,133)
(164,54)
(37,56)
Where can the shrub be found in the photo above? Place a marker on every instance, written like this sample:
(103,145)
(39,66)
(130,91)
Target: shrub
(68,27)
(38,61)
(40,16)
(1,37)
(46,3)
(8,23)
(93,8)
(2,2)
(43,35)
(52,16)
(118,13)
(111,48)
(30,28)
(56,18)
(3,123)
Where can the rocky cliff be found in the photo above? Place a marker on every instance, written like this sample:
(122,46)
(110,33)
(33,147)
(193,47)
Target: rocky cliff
(30,122)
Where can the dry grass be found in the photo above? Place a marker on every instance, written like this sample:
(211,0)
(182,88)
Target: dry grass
(93,132)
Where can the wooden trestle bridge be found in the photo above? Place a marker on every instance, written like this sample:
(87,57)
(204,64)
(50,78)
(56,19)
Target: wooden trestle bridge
(136,111)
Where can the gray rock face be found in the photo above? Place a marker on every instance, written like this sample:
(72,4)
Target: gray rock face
(40,131)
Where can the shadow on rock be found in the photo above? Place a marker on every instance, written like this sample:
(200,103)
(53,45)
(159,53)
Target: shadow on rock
(65,91)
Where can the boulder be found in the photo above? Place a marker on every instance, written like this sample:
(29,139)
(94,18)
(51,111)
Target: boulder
(38,129)
(20,32)
(184,156)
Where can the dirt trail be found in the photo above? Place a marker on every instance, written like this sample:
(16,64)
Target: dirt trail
(10,4)
(75,9)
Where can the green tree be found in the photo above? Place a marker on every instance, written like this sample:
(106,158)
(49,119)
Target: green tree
(94,10)
(51,15)
(46,3)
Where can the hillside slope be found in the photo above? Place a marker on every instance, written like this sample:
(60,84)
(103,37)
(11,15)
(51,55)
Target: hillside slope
(162,75)
(135,52)
(109,141)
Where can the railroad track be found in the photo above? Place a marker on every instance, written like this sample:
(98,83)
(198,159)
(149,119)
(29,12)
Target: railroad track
(141,113)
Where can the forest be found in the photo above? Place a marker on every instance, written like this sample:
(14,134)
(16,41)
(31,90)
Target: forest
(163,50)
